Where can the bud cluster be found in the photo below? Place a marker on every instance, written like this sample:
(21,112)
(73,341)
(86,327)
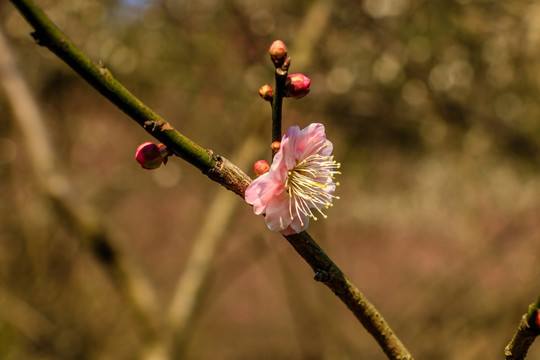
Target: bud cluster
(296,85)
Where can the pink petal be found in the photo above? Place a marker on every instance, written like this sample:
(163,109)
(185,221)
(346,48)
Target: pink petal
(330,188)
(261,191)
(284,159)
(327,150)
(297,226)
(310,135)
(278,167)
(277,213)
(288,231)
(288,145)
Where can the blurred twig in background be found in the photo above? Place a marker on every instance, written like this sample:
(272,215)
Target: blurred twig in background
(25,318)
(80,217)
(194,278)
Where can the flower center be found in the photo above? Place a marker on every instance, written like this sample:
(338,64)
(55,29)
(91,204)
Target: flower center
(310,185)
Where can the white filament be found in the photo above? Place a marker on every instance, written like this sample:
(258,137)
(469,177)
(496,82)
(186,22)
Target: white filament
(308,181)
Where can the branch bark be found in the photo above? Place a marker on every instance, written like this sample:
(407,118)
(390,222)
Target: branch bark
(527,331)
(216,168)
(327,272)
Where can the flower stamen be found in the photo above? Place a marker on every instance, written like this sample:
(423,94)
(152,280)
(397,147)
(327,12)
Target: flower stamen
(308,182)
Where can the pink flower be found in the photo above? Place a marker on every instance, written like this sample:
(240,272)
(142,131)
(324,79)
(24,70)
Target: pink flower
(300,181)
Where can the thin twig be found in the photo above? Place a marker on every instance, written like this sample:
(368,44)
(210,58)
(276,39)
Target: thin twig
(277,102)
(217,168)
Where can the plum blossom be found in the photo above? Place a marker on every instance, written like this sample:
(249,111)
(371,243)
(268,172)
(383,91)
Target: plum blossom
(300,183)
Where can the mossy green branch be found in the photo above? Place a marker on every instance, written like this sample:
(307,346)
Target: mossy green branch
(527,331)
(532,316)
(47,34)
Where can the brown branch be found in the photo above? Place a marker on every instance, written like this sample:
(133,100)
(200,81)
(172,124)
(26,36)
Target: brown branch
(328,273)
(229,175)
(527,331)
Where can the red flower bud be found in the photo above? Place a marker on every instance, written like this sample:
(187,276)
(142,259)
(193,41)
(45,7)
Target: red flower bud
(297,86)
(164,152)
(275,146)
(278,52)
(150,155)
(266,92)
(261,167)
(537,320)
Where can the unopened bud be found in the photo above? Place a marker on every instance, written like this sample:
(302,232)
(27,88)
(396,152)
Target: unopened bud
(537,320)
(278,52)
(151,156)
(165,152)
(297,86)
(275,146)
(266,92)
(261,167)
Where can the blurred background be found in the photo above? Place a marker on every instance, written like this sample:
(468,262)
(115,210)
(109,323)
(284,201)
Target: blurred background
(432,107)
